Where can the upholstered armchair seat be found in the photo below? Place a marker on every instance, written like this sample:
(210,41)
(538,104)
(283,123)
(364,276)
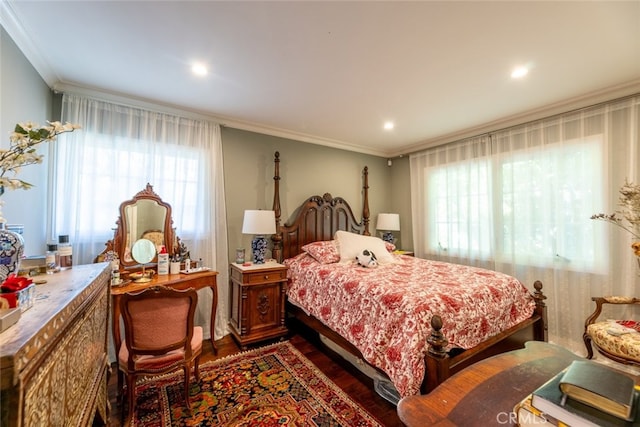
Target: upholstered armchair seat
(617,340)
(161,362)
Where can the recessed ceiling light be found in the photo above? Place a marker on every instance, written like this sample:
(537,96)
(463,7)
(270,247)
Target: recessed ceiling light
(199,69)
(388,125)
(519,72)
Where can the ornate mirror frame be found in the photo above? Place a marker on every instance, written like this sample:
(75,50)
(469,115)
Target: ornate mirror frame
(122,243)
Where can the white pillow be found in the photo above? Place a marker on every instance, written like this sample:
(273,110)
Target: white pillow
(351,244)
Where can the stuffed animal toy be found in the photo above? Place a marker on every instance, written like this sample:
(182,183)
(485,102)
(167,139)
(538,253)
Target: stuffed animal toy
(366,258)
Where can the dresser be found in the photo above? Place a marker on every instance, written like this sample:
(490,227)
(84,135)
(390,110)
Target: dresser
(53,361)
(257,302)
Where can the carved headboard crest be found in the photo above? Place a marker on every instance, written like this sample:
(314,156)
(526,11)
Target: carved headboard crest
(326,198)
(317,218)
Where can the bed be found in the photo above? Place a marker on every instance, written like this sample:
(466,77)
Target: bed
(413,334)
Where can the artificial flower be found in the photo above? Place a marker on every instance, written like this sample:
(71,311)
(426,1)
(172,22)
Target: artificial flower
(22,152)
(14,283)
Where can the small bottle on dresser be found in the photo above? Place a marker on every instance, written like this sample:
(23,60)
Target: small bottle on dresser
(65,252)
(52,259)
(163,261)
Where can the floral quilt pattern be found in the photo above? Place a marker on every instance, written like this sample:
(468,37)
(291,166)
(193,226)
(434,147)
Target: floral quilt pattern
(386,311)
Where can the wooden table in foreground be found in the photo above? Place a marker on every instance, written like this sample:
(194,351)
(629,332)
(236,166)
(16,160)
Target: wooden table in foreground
(485,393)
(180,281)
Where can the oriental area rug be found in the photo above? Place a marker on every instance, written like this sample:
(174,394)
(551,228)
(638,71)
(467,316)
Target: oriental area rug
(269,386)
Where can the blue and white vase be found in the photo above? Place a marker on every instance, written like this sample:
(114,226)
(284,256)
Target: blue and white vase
(259,248)
(11,250)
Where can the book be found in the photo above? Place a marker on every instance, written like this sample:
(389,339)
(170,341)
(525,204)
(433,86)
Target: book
(548,400)
(599,386)
(528,416)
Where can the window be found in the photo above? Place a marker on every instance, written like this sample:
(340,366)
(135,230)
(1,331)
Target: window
(120,149)
(167,170)
(532,204)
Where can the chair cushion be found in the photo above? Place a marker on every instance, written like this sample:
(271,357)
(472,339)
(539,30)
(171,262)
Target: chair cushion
(619,337)
(164,361)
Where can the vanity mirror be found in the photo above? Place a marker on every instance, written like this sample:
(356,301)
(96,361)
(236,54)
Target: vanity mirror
(145,216)
(143,252)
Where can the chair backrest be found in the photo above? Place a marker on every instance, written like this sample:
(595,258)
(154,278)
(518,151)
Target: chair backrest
(158,320)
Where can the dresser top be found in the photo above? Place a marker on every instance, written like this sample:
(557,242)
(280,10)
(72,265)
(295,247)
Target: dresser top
(55,305)
(256,267)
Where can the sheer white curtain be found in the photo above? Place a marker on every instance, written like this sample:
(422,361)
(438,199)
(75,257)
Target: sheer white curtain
(520,201)
(116,153)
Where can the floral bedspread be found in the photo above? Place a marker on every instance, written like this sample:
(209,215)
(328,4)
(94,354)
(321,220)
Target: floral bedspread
(386,311)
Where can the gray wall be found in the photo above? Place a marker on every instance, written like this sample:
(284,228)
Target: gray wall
(305,170)
(24,96)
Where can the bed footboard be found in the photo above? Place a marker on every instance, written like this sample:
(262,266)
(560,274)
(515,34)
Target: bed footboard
(440,365)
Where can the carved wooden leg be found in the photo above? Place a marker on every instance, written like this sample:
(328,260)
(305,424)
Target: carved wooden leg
(587,342)
(131,392)
(187,377)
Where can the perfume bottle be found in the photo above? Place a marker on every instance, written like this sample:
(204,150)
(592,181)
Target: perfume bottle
(52,259)
(65,252)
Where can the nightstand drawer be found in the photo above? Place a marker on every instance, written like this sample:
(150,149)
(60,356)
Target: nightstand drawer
(265,276)
(262,276)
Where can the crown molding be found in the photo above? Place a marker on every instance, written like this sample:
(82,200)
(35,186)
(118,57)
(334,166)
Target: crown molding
(583,101)
(127,100)
(22,39)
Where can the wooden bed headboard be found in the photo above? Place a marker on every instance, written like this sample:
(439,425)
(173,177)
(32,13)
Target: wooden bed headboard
(317,218)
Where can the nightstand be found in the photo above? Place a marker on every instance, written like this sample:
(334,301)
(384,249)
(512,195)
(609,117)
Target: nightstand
(257,302)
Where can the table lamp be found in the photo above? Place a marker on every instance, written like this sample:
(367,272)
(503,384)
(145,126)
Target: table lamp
(388,222)
(259,223)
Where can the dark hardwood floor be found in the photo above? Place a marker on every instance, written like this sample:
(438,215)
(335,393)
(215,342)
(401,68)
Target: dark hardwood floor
(342,373)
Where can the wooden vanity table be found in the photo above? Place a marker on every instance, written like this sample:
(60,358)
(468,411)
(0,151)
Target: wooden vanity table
(147,216)
(180,281)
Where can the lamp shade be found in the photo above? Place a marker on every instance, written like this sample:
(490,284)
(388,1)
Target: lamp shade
(259,222)
(388,222)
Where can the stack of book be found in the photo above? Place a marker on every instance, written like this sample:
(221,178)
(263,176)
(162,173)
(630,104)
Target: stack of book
(585,394)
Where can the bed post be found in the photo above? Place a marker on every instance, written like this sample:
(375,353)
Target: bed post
(437,360)
(541,329)
(365,208)
(276,253)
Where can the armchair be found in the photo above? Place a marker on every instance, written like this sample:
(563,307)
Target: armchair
(159,337)
(618,340)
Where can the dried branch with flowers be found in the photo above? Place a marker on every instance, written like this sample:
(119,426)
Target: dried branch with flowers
(628,217)
(22,152)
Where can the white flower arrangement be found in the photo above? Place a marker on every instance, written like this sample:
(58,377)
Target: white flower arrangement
(22,152)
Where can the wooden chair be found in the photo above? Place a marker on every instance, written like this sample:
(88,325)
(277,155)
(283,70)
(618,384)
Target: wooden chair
(159,337)
(618,340)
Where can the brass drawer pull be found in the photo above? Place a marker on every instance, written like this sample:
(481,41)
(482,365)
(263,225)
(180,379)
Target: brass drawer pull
(266,277)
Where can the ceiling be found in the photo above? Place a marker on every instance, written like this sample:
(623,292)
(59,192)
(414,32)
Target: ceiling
(332,72)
